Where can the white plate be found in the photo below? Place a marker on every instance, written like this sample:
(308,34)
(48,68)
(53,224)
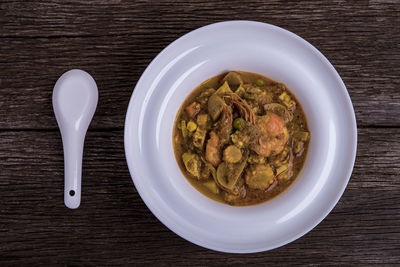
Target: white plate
(275,53)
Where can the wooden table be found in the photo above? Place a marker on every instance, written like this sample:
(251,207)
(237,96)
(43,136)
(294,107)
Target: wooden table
(115,41)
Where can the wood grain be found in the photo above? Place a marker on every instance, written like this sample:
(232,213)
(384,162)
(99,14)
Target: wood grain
(362,42)
(114,226)
(115,41)
(81,18)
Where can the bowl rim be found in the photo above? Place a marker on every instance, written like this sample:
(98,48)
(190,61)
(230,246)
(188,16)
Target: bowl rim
(348,104)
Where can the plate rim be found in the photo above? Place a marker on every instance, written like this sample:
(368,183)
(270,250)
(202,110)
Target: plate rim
(348,104)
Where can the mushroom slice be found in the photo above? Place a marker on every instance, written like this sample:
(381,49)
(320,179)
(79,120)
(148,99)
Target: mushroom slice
(229,174)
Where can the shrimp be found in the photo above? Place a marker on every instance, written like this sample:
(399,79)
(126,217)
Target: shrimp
(273,135)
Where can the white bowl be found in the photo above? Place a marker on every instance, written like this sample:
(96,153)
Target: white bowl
(275,53)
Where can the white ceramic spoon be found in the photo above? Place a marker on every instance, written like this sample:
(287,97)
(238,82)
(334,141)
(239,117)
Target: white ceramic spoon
(75,97)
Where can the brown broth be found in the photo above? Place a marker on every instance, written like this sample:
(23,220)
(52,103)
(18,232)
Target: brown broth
(296,125)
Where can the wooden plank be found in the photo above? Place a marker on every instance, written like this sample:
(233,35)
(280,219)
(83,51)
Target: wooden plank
(116,41)
(113,226)
(117,63)
(81,18)
(26,96)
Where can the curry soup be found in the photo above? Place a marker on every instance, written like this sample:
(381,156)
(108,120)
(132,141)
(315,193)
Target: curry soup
(241,138)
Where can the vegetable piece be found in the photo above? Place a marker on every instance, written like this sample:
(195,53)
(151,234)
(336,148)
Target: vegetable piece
(258,95)
(215,106)
(298,147)
(205,95)
(256,159)
(260,82)
(233,198)
(252,92)
(240,91)
(191,126)
(222,176)
(212,186)
(177,138)
(199,137)
(282,169)
(192,164)
(232,154)
(224,89)
(234,79)
(284,97)
(239,123)
(279,110)
(204,172)
(283,158)
(286,174)
(193,109)
(211,168)
(303,136)
(229,174)
(212,150)
(240,139)
(184,129)
(259,176)
(202,120)
(290,104)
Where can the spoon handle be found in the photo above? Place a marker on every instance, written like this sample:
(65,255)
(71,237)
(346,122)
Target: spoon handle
(73,150)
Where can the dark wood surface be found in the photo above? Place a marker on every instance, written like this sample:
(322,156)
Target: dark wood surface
(115,41)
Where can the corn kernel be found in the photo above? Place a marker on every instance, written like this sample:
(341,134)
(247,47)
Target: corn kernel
(191,126)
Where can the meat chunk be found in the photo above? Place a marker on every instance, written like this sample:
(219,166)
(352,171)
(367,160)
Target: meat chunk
(212,150)
(193,109)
